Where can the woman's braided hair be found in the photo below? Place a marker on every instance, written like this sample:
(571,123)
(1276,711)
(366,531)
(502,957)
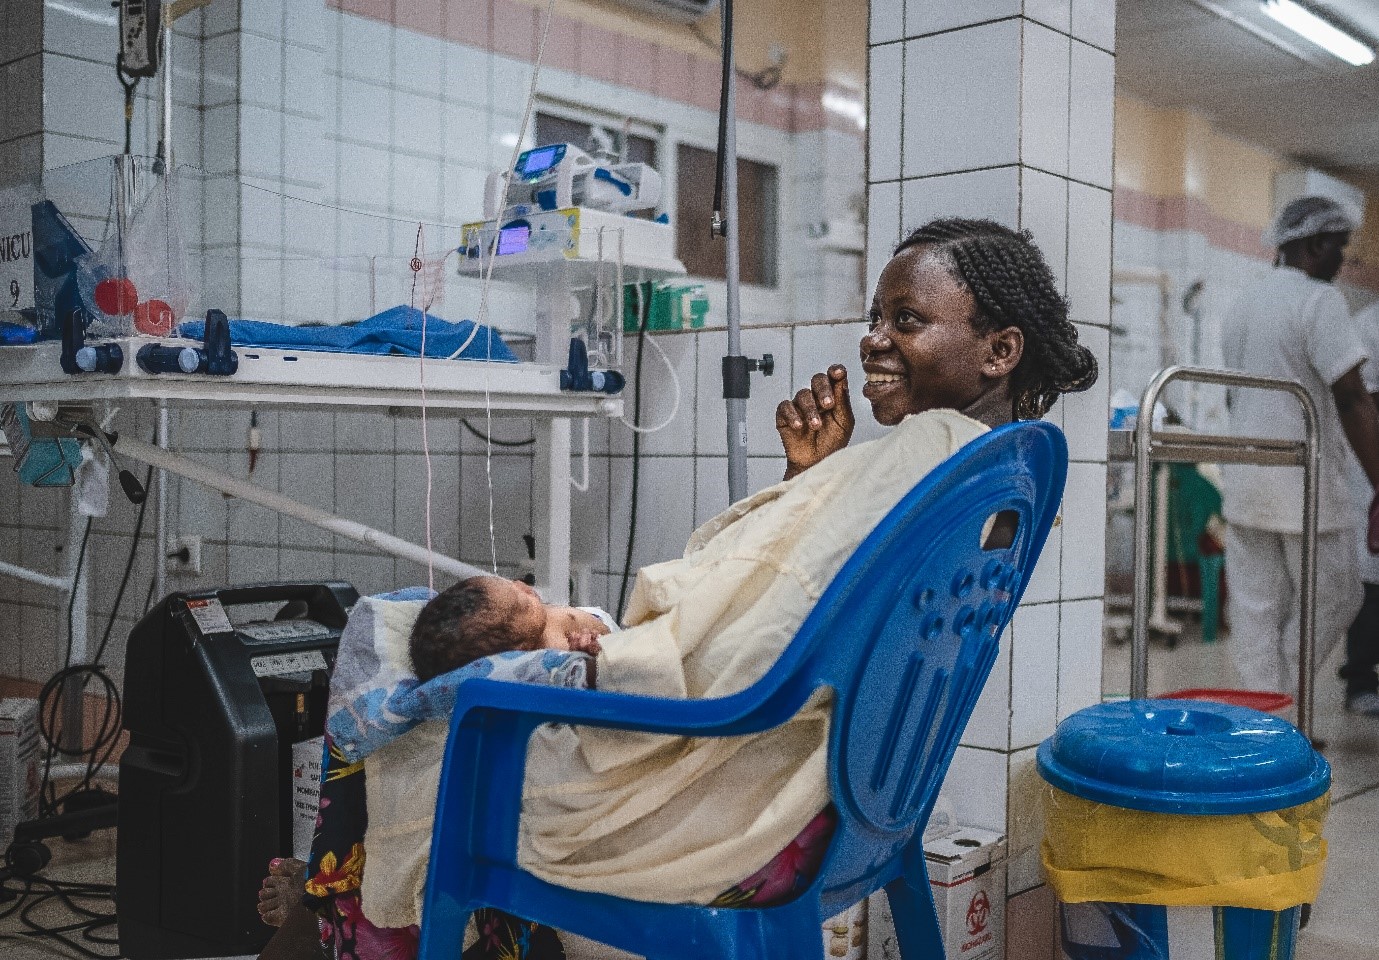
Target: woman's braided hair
(1014,287)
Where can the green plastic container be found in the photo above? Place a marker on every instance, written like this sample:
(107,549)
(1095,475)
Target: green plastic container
(665,306)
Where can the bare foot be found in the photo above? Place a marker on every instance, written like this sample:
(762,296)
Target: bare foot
(281,893)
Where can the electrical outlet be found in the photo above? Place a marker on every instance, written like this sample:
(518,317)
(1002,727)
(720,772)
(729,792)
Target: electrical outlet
(184,556)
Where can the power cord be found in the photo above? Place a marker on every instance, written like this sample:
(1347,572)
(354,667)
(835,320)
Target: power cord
(27,892)
(636,462)
(72,595)
(97,754)
(20,877)
(51,696)
(31,892)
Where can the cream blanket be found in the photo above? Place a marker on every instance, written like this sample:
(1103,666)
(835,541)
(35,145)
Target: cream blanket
(674,819)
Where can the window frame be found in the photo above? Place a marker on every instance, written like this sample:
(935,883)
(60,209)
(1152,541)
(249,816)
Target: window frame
(759,304)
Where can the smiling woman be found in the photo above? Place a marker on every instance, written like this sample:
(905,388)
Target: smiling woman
(966,317)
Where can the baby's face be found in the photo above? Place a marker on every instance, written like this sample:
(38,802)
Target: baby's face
(537,625)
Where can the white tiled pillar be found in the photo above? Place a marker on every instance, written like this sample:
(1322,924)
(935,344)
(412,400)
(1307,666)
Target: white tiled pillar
(1003,109)
(21,70)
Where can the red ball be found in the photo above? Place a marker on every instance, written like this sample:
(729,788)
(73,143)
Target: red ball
(116,296)
(153,318)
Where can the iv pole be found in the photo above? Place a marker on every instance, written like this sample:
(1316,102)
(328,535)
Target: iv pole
(736,367)
(160,533)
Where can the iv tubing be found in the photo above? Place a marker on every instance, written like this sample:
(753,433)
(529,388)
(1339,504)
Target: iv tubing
(670,369)
(583,487)
(507,183)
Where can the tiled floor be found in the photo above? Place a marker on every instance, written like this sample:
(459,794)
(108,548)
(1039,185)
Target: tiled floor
(87,861)
(1345,919)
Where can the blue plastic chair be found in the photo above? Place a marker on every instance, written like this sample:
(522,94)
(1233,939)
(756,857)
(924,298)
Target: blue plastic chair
(905,635)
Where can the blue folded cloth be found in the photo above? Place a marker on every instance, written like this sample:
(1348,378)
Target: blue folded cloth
(395,331)
(16,334)
(374,695)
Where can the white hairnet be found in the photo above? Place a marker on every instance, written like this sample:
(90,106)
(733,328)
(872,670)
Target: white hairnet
(1308,217)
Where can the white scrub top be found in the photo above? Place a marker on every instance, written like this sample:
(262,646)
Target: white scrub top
(1291,326)
(1367,326)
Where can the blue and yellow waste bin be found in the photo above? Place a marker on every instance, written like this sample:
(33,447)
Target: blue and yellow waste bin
(1178,830)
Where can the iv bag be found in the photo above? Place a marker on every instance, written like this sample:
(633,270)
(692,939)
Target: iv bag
(137,283)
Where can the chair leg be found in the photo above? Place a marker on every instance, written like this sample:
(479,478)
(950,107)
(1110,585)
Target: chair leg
(794,932)
(442,932)
(916,921)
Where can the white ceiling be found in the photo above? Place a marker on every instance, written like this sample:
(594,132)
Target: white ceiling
(1304,103)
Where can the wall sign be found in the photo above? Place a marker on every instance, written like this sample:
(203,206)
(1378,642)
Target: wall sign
(16,248)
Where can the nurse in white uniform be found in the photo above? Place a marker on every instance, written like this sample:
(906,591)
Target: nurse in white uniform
(1362,641)
(1292,323)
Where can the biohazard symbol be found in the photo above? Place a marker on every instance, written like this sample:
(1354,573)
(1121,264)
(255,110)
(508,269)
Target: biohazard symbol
(978,913)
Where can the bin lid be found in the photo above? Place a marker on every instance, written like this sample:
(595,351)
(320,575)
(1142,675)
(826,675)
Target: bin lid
(1183,756)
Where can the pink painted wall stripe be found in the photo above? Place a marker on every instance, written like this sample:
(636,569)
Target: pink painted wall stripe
(513,29)
(1190,213)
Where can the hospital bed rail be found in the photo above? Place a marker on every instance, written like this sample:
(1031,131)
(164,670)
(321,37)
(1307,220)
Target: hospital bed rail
(1147,446)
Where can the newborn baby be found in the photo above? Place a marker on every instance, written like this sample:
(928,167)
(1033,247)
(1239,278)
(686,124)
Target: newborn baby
(482,616)
(473,619)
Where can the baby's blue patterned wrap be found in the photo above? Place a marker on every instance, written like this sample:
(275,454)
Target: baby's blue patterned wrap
(374,695)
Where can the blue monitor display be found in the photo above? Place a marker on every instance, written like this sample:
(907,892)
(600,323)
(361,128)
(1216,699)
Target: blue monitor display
(535,163)
(513,239)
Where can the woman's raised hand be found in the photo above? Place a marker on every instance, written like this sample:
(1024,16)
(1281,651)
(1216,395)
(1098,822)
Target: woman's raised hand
(817,422)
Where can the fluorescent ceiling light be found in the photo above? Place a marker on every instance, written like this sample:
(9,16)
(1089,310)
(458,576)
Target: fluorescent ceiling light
(1307,24)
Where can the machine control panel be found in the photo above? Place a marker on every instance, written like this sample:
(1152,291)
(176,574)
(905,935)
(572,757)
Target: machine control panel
(288,664)
(284,631)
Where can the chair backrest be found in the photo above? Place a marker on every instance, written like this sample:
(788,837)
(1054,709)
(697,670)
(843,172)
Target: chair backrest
(907,633)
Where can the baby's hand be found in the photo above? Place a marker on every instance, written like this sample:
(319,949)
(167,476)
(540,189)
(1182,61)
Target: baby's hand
(585,643)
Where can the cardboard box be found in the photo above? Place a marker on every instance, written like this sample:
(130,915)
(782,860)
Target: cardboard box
(845,936)
(20,770)
(306,794)
(967,875)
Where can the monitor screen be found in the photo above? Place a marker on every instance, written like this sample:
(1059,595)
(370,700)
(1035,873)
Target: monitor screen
(536,162)
(513,239)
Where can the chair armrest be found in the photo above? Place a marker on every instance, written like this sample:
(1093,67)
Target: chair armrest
(749,711)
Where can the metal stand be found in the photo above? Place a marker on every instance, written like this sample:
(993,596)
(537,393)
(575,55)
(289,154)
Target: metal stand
(1152,446)
(735,388)
(1159,621)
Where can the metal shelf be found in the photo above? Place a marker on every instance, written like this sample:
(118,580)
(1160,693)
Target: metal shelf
(303,378)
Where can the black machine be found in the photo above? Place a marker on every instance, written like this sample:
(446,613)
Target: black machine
(218,687)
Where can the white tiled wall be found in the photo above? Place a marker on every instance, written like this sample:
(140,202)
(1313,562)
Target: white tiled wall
(975,123)
(1022,135)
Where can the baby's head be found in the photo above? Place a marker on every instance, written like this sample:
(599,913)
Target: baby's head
(482,616)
